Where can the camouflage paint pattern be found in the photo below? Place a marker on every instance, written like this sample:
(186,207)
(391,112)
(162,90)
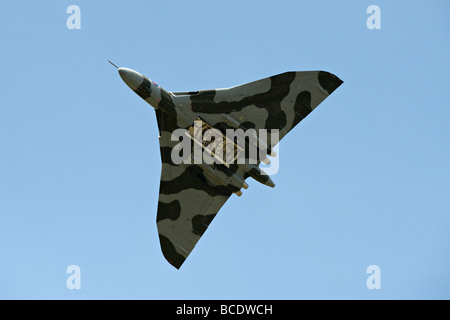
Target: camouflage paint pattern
(192,194)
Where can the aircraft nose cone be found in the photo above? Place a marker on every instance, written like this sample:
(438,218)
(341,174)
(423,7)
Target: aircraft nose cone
(132,78)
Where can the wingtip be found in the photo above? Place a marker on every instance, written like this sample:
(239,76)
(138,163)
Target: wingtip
(329,81)
(176,266)
(170,253)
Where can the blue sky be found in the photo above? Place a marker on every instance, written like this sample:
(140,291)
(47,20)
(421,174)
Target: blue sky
(363,180)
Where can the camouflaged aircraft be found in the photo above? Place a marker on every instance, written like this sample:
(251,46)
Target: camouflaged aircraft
(191,194)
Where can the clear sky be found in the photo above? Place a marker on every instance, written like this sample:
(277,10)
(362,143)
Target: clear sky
(364,179)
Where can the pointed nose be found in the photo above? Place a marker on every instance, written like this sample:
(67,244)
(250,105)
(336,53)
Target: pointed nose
(132,78)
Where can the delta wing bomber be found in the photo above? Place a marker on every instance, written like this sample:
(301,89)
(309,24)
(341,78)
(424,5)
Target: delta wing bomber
(202,164)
